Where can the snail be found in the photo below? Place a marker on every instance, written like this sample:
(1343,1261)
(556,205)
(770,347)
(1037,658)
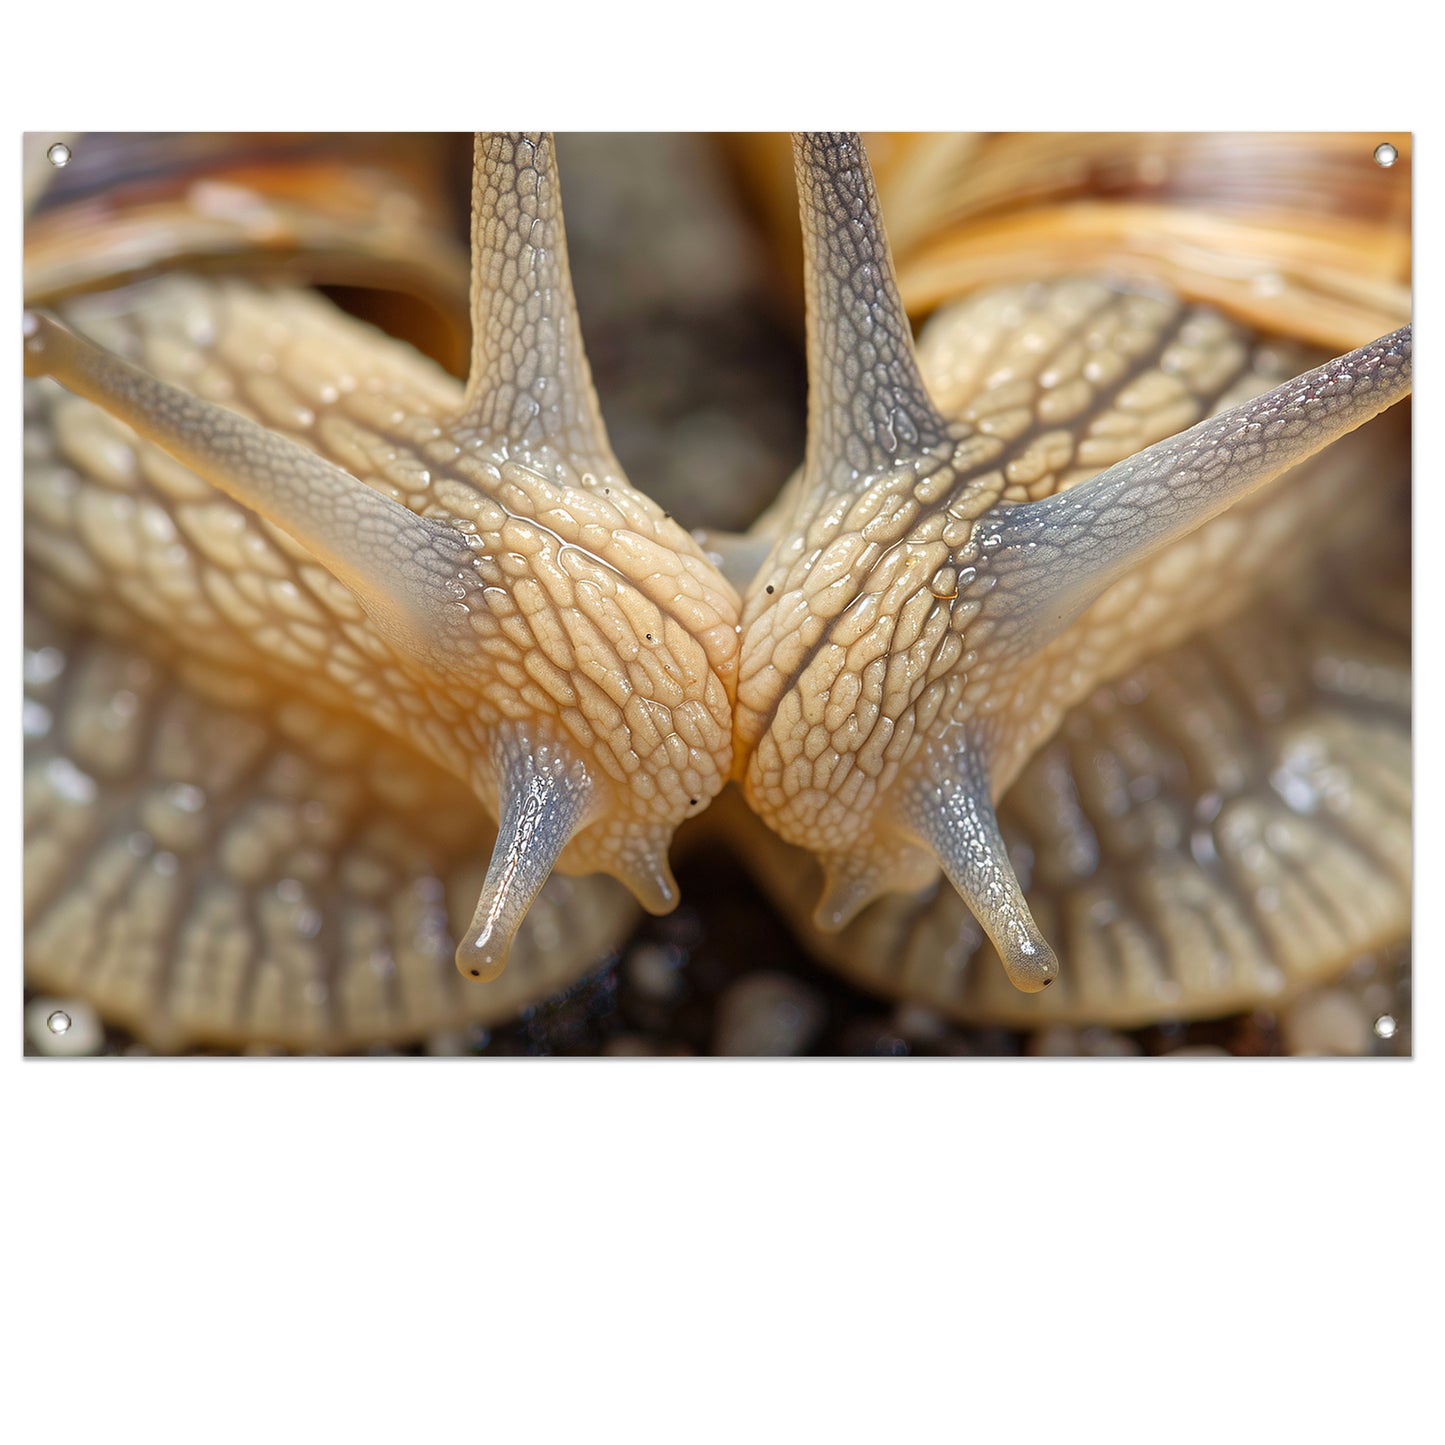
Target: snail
(304,613)
(1226,819)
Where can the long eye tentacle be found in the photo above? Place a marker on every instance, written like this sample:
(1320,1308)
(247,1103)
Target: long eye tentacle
(867,404)
(397,563)
(523,306)
(1055,556)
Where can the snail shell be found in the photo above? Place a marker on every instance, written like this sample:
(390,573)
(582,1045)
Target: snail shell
(291,881)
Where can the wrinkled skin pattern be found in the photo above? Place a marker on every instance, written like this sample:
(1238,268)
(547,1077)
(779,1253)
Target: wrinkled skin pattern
(305,877)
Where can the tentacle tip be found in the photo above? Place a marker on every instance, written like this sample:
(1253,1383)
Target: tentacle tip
(833,915)
(1031,965)
(652,884)
(846,893)
(482,955)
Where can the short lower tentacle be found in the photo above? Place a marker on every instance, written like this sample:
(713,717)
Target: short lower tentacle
(544,799)
(948,804)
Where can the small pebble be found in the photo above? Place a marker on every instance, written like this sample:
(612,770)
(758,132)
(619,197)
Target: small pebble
(632,1046)
(916,1021)
(1061,1041)
(1328,1021)
(873,1038)
(766,1015)
(637,1046)
(1102,1043)
(652,969)
(629,1046)
(447,1046)
(1058,1041)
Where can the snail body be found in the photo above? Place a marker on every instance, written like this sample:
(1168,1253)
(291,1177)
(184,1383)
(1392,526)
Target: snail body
(906,706)
(896,663)
(401,611)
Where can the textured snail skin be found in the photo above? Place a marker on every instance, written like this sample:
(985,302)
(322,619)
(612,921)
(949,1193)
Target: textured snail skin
(916,632)
(557,642)
(585,698)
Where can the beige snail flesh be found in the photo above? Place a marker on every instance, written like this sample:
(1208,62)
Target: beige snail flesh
(952,573)
(268,619)
(558,644)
